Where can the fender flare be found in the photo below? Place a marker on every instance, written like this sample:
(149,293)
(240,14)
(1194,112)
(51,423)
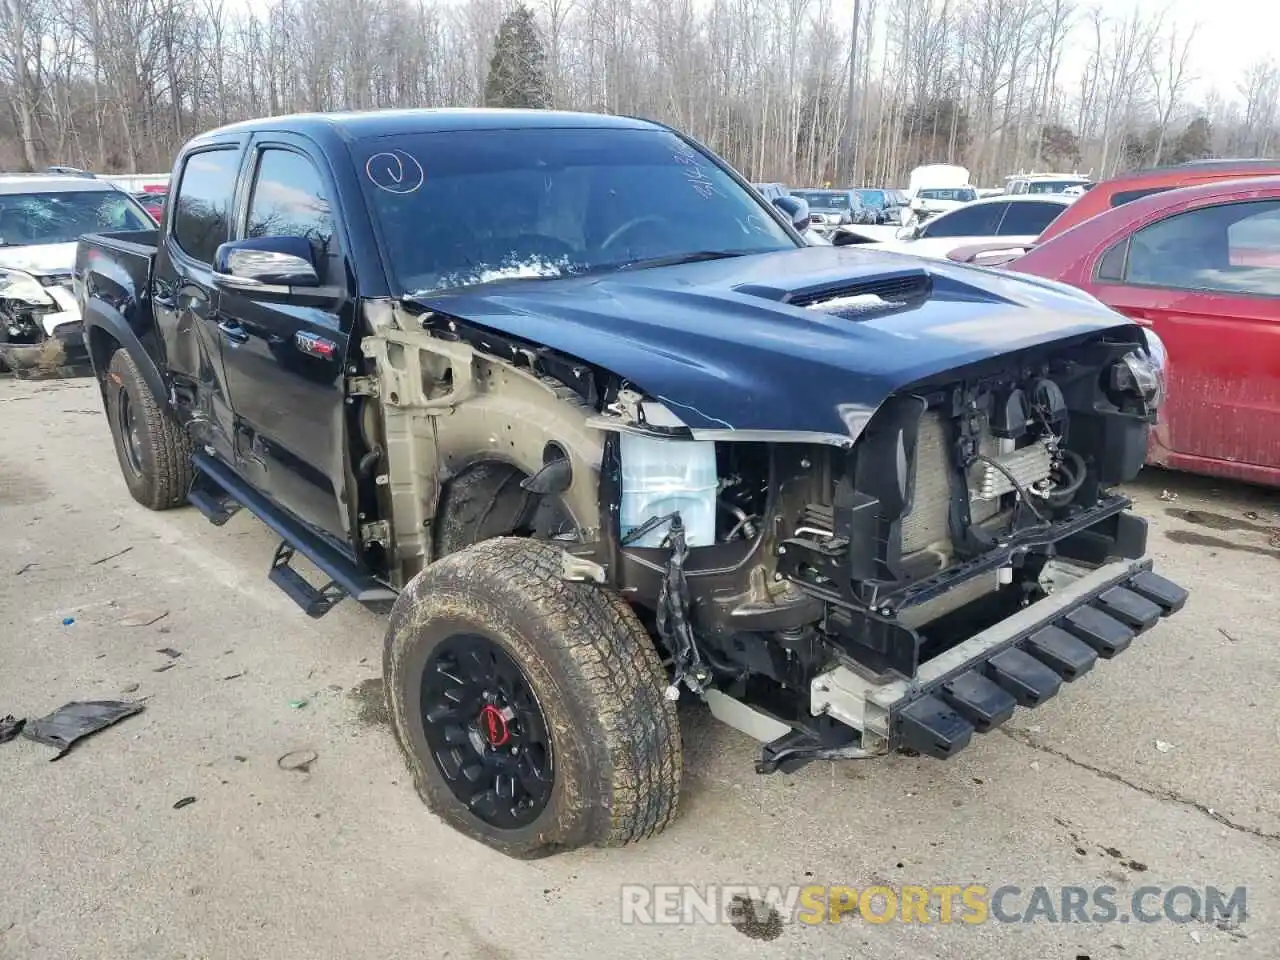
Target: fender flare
(99,313)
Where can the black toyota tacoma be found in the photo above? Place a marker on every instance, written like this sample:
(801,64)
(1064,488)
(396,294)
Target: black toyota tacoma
(603,432)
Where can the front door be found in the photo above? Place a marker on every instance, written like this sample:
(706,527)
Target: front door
(184,300)
(285,360)
(1208,281)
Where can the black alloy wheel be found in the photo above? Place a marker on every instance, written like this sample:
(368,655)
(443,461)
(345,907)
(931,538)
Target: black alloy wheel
(487,731)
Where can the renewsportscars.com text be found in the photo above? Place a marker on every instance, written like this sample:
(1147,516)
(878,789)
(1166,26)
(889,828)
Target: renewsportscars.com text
(941,904)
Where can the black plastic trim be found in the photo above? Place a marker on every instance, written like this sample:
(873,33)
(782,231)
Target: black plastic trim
(356,581)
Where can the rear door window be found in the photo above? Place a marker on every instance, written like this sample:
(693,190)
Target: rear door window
(1231,248)
(1028,218)
(975,221)
(203,203)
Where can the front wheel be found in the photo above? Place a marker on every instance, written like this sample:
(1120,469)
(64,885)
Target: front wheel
(154,453)
(530,708)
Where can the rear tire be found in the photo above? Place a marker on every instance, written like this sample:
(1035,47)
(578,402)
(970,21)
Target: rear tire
(154,453)
(586,675)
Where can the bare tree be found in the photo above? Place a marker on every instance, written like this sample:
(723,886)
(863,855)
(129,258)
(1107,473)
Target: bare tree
(117,85)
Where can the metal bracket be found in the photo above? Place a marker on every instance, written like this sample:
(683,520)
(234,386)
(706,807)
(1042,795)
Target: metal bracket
(379,533)
(362,386)
(581,570)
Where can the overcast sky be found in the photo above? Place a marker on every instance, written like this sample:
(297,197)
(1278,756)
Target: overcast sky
(1231,35)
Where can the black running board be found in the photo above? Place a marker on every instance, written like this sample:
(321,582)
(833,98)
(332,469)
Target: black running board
(217,486)
(213,501)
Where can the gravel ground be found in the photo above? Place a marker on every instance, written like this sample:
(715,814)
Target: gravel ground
(1161,768)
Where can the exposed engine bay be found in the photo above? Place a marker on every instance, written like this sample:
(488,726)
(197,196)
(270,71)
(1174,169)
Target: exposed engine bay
(957,507)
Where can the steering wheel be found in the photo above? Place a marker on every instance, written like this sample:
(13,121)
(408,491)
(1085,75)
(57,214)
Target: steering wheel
(631,225)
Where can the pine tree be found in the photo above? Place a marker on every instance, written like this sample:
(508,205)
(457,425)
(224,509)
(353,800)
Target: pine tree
(518,70)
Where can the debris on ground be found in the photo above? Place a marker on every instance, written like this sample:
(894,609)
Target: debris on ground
(68,621)
(1168,496)
(298,704)
(129,688)
(10,727)
(1163,747)
(234,676)
(110,556)
(1251,514)
(163,667)
(184,802)
(24,568)
(1228,636)
(143,618)
(169,652)
(297,761)
(76,720)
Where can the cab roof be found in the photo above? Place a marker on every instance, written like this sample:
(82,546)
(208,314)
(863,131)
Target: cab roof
(389,123)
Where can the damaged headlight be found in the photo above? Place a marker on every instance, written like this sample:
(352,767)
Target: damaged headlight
(1159,356)
(1142,373)
(16,285)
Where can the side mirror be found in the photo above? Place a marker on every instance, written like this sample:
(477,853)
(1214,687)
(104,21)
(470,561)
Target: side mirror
(266,264)
(796,209)
(908,233)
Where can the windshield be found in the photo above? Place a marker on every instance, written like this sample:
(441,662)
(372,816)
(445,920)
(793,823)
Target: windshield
(63,217)
(459,208)
(824,199)
(873,198)
(960,194)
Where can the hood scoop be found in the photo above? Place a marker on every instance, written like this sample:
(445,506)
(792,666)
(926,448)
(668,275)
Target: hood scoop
(885,292)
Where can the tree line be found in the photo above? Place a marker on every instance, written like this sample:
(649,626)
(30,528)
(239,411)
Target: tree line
(118,85)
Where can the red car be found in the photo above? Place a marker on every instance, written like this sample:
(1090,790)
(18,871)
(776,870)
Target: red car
(1142,183)
(153,202)
(1200,265)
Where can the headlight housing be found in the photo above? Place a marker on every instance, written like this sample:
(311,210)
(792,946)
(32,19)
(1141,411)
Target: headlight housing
(16,285)
(1159,356)
(1142,373)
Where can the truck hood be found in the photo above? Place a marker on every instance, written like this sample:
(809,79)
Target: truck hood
(726,347)
(40,259)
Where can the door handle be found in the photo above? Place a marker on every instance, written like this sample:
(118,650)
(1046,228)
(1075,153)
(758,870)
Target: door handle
(233,331)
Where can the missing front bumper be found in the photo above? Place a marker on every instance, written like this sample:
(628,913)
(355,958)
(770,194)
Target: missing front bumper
(1022,660)
(61,354)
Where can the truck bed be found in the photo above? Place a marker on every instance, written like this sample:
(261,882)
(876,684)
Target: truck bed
(140,243)
(113,273)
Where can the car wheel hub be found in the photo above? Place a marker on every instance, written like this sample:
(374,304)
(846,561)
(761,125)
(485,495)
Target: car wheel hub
(486,731)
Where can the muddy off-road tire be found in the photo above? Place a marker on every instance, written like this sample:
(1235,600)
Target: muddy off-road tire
(154,453)
(530,708)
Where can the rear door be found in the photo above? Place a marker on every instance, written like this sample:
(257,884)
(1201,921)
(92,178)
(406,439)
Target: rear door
(184,300)
(285,360)
(1208,281)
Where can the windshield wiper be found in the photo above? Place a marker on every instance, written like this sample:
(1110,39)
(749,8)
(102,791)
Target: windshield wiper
(673,259)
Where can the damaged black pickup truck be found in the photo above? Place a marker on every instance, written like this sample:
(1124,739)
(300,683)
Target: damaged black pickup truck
(585,407)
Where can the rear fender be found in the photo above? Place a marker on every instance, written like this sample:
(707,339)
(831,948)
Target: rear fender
(105,330)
